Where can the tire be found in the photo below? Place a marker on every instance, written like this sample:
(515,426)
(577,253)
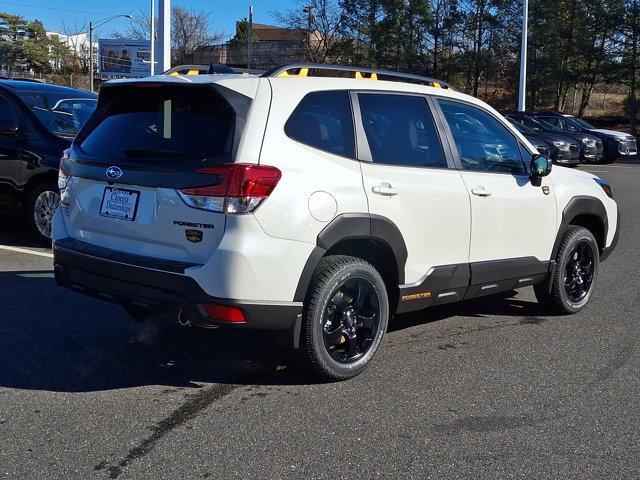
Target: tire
(42,204)
(575,274)
(345,316)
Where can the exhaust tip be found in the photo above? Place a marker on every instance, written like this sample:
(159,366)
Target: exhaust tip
(183,319)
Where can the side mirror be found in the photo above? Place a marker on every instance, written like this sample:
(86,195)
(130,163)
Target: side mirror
(9,129)
(540,166)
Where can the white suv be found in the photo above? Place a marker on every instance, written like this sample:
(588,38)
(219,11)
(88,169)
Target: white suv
(320,206)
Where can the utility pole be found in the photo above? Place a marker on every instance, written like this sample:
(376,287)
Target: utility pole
(309,11)
(522,94)
(91,57)
(163,52)
(91,29)
(250,38)
(152,37)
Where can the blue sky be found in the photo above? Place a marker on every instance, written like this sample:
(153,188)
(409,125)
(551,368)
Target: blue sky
(55,14)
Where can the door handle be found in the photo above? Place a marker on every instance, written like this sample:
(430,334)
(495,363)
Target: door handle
(385,189)
(481,192)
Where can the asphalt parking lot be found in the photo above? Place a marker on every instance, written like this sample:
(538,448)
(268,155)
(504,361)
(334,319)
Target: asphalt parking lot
(491,388)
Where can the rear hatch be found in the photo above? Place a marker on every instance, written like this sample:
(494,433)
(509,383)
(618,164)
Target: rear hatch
(132,168)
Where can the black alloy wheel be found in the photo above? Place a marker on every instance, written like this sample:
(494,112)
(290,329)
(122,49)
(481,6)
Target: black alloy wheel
(575,273)
(345,317)
(579,272)
(351,320)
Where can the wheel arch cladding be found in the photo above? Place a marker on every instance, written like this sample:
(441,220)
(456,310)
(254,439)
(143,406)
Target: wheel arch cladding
(372,237)
(588,212)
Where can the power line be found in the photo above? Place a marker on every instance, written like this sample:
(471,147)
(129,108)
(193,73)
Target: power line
(53,8)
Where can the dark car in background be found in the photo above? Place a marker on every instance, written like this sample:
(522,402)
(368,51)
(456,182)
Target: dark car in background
(541,145)
(590,146)
(37,123)
(616,144)
(562,150)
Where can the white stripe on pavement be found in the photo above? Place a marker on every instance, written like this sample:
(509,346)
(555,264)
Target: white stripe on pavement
(27,251)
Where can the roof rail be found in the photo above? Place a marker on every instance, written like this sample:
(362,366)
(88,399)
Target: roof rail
(363,73)
(210,70)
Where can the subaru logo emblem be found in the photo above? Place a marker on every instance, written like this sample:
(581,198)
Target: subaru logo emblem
(113,173)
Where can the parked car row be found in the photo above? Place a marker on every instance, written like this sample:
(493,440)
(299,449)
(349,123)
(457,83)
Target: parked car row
(37,122)
(571,140)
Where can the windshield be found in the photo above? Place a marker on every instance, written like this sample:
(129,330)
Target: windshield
(581,123)
(539,124)
(60,114)
(162,123)
(520,127)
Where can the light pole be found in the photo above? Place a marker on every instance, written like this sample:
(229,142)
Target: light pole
(522,94)
(250,38)
(91,29)
(152,37)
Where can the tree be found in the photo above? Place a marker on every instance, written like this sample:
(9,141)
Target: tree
(190,29)
(629,47)
(319,23)
(26,46)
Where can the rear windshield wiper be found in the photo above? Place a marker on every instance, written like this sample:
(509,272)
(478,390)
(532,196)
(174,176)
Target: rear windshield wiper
(150,153)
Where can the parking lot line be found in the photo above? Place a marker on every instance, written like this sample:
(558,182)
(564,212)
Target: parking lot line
(27,251)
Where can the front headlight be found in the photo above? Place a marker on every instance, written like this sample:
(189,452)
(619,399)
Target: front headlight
(605,186)
(560,144)
(589,142)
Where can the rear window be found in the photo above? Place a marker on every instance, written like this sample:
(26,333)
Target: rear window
(61,114)
(323,120)
(162,123)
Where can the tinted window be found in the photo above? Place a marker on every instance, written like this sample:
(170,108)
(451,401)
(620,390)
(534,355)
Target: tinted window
(484,144)
(582,123)
(60,114)
(323,120)
(163,123)
(400,130)
(7,112)
(555,121)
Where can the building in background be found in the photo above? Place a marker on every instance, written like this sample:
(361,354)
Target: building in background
(78,45)
(272,46)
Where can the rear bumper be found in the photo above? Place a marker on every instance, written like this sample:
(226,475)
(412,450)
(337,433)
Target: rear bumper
(142,281)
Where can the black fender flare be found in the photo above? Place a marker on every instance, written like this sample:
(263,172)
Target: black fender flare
(353,226)
(580,205)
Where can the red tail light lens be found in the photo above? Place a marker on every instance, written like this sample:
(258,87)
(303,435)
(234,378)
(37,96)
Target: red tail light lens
(225,313)
(63,176)
(239,188)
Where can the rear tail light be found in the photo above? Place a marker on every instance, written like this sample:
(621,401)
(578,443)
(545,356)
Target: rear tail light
(239,188)
(225,313)
(63,177)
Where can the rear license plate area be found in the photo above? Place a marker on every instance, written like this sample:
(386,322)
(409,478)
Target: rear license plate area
(120,203)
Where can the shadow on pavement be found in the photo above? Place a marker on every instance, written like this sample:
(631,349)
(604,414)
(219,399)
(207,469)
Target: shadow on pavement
(15,232)
(57,340)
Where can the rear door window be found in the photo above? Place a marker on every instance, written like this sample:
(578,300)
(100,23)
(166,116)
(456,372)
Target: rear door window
(400,130)
(323,120)
(163,122)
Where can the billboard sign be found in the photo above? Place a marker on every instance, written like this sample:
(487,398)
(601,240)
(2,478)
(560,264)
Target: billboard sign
(119,58)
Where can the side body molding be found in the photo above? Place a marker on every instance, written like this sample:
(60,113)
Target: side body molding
(353,226)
